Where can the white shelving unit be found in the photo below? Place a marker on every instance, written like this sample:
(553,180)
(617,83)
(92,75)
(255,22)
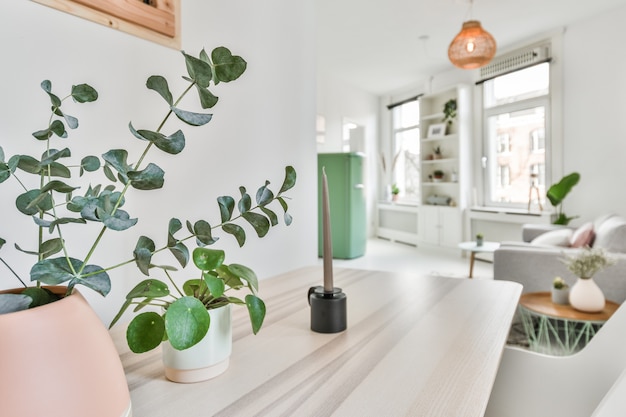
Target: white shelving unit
(444,201)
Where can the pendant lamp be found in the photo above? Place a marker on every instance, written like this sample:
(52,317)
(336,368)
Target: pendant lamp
(473,47)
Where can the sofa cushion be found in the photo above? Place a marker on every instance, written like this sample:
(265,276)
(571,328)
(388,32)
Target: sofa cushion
(611,235)
(560,237)
(583,236)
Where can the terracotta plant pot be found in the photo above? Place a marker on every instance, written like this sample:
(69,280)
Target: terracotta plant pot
(58,360)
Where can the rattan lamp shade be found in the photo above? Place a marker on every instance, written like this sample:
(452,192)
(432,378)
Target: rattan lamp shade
(473,47)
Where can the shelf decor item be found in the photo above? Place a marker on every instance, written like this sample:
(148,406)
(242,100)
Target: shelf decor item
(64,257)
(479,239)
(560,291)
(437,130)
(449,111)
(585,294)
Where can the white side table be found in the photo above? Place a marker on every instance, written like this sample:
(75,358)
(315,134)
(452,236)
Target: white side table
(473,248)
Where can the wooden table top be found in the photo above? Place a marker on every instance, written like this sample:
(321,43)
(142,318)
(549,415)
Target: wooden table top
(541,303)
(415,345)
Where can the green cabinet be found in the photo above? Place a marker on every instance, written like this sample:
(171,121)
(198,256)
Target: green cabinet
(344,172)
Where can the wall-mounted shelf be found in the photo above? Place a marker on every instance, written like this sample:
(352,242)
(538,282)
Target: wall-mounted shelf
(158,21)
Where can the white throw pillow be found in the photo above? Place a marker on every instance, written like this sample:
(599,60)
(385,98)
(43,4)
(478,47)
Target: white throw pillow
(559,237)
(611,236)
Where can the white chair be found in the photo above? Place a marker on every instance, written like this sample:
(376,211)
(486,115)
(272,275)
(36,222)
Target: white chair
(532,384)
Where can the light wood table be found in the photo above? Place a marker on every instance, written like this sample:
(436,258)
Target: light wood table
(558,329)
(415,346)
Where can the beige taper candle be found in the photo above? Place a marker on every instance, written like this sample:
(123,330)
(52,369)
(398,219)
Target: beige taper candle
(328,246)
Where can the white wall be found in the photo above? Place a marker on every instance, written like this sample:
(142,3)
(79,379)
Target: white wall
(264,121)
(594,114)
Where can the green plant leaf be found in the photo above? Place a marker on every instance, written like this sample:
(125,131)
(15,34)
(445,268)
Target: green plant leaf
(90,163)
(208,259)
(71,121)
(230,279)
(172,144)
(144,249)
(264,195)
(98,280)
(287,217)
(145,332)
(186,322)
(32,201)
(256,310)
(10,303)
(159,84)
(247,274)
(42,134)
(149,288)
(203,232)
(28,164)
(117,159)
(259,222)
(54,271)
(207,99)
(227,205)
(198,70)
(119,221)
(237,231)
(56,169)
(557,192)
(271,215)
(51,247)
(228,67)
(84,93)
(191,118)
(58,186)
(58,128)
(53,155)
(245,203)
(46,86)
(290,179)
(150,178)
(40,296)
(194,287)
(216,286)
(181,253)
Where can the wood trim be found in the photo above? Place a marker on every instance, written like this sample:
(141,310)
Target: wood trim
(158,23)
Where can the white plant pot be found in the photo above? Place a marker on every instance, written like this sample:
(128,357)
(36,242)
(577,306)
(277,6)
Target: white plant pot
(585,295)
(208,358)
(560,296)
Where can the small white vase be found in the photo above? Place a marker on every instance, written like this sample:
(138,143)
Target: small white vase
(585,295)
(206,359)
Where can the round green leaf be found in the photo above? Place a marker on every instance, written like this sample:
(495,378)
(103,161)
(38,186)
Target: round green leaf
(208,259)
(149,288)
(90,163)
(186,322)
(84,93)
(145,332)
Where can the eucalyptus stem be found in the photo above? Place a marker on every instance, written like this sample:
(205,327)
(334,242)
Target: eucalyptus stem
(173,283)
(14,273)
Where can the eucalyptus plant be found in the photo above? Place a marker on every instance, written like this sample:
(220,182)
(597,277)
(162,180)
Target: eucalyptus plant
(55,205)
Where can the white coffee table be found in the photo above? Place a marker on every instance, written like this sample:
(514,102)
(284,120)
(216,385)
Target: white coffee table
(473,249)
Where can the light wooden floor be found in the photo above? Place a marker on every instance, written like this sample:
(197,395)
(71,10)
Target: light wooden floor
(384,255)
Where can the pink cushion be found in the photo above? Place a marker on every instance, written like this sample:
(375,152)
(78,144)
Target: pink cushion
(583,236)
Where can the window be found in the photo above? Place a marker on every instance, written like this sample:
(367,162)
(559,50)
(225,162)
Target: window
(516,111)
(404,166)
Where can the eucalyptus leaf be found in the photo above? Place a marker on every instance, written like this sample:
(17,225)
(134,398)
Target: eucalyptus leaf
(245,203)
(186,322)
(203,232)
(237,231)
(10,303)
(191,118)
(290,179)
(259,222)
(40,296)
(150,178)
(144,249)
(54,155)
(117,158)
(228,67)
(84,93)
(227,205)
(150,288)
(32,201)
(264,195)
(207,99)
(198,70)
(29,164)
(159,84)
(181,253)
(58,186)
(90,163)
(55,271)
(58,128)
(119,221)
(95,278)
(271,215)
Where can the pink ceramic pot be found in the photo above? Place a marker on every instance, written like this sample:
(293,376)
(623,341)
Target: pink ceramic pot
(58,360)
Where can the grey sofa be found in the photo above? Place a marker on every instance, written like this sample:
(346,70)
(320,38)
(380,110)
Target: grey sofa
(534,264)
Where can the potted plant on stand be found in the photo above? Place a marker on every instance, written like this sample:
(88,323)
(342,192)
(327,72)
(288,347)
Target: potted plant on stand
(560,291)
(585,294)
(79,355)
(557,193)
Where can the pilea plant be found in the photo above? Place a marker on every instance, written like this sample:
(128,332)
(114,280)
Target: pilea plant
(54,205)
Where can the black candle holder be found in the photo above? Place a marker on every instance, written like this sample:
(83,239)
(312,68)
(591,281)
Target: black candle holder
(328,310)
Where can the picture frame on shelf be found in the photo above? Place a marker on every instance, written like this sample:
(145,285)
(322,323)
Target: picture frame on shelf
(437,130)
